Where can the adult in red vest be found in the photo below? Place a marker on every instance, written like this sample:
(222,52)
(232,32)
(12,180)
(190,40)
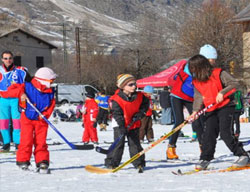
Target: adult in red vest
(127,107)
(181,96)
(210,84)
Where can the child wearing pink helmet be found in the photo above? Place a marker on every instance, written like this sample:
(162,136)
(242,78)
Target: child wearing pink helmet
(33,127)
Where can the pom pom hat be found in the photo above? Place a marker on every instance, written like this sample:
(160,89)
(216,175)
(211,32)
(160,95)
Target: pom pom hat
(123,79)
(208,51)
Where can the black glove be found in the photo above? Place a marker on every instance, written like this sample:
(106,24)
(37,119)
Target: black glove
(95,124)
(137,116)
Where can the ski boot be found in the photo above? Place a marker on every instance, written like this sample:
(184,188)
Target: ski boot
(140,169)
(43,168)
(24,166)
(242,161)
(5,148)
(202,165)
(171,153)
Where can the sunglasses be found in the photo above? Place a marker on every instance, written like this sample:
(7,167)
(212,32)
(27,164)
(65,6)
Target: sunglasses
(7,58)
(132,84)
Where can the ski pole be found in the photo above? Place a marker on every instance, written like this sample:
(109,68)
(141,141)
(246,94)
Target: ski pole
(79,147)
(136,156)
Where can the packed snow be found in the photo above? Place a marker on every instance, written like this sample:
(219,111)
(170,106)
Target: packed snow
(68,173)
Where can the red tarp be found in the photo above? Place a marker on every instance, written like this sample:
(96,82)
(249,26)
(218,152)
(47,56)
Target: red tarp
(164,78)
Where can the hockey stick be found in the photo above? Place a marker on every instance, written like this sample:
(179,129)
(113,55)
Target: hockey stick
(111,148)
(98,170)
(79,147)
(113,145)
(245,142)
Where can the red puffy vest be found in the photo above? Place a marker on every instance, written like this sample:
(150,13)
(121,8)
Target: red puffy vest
(129,109)
(210,89)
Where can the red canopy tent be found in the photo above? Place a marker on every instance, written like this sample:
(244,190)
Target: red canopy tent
(162,79)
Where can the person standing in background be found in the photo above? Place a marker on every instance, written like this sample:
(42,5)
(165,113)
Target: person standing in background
(103,104)
(166,111)
(89,115)
(239,110)
(10,78)
(146,122)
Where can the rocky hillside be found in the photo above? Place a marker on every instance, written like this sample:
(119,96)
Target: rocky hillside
(112,20)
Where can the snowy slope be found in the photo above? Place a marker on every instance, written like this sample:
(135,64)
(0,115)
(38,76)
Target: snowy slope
(68,173)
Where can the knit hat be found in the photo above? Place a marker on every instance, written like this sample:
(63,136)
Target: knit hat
(123,79)
(208,51)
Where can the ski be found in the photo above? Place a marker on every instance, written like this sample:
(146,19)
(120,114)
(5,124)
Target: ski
(8,152)
(209,171)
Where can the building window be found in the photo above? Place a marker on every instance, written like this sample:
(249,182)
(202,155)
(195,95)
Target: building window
(18,61)
(39,62)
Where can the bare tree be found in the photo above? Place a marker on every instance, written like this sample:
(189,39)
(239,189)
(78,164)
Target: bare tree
(210,25)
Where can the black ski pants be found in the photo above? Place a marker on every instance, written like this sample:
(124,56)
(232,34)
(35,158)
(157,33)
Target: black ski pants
(219,121)
(114,157)
(177,107)
(102,116)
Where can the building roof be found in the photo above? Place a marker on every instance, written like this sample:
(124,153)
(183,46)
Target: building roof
(29,34)
(243,16)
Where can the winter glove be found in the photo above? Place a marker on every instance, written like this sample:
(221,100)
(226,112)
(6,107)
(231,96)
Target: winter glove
(137,116)
(95,124)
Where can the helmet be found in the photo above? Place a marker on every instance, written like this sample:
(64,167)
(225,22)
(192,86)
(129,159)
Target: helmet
(148,89)
(208,51)
(45,73)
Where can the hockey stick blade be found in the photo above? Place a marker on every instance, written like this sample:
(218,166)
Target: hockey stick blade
(84,147)
(101,150)
(97,170)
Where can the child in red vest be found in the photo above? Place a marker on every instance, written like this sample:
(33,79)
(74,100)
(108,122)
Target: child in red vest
(33,127)
(90,112)
(127,106)
(210,84)
(146,122)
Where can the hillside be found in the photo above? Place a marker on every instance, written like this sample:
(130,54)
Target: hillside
(112,21)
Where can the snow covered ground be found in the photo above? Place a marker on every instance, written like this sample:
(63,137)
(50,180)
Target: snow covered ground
(68,173)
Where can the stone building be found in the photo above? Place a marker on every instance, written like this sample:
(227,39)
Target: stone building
(29,50)
(244,18)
